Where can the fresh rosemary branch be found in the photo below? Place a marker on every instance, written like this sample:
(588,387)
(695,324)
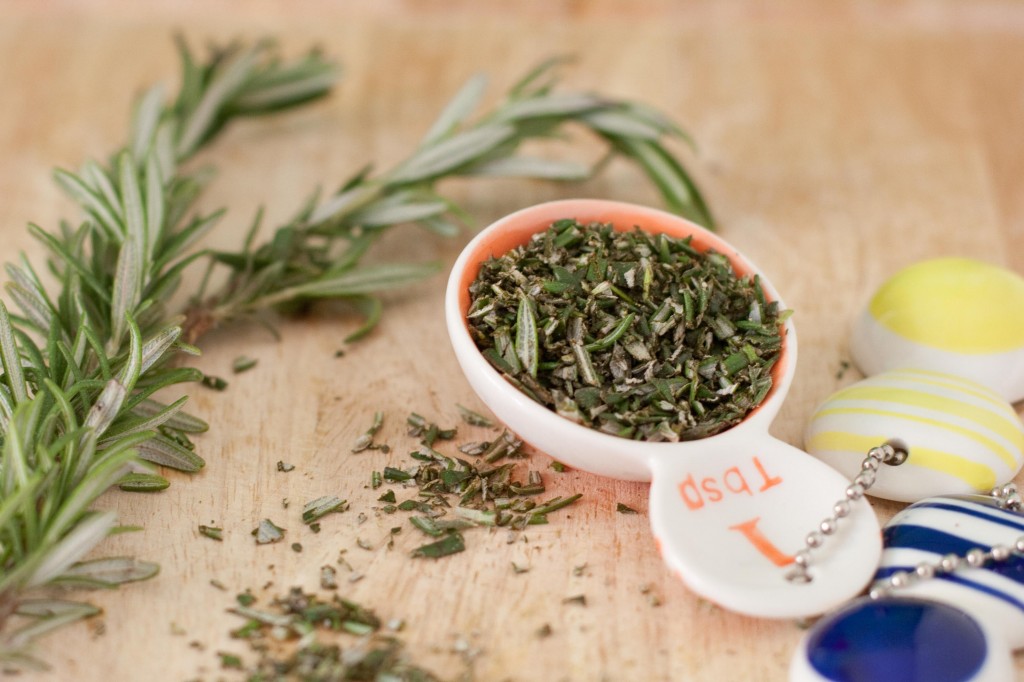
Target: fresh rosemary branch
(317,254)
(81,363)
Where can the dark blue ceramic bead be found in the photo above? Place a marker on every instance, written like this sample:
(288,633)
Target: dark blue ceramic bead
(897,639)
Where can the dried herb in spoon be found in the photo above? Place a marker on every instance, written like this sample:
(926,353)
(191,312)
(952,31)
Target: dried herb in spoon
(635,334)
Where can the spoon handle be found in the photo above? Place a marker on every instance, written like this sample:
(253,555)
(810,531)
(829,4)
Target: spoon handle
(731,520)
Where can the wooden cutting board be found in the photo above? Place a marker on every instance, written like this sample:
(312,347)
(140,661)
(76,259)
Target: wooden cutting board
(837,143)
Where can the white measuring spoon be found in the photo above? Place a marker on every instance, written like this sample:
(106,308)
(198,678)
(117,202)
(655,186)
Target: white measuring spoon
(728,512)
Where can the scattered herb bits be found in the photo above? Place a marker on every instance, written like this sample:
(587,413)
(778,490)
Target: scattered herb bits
(473,418)
(321,507)
(365,441)
(634,334)
(301,637)
(212,532)
(243,364)
(267,532)
(216,383)
(451,544)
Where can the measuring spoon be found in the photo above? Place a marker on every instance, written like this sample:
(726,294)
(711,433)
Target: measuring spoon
(728,512)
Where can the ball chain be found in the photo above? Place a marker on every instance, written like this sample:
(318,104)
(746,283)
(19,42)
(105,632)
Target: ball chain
(1008,498)
(891,453)
(894,453)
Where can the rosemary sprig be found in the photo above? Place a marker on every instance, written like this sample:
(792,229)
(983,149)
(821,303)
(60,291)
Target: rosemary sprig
(317,254)
(82,362)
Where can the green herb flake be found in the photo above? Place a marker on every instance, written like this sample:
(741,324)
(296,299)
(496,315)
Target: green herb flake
(393,474)
(267,532)
(297,547)
(246,598)
(623,509)
(365,441)
(328,577)
(216,383)
(230,661)
(473,418)
(282,466)
(388,497)
(451,544)
(211,532)
(243,364)
(322,506)
(559,467)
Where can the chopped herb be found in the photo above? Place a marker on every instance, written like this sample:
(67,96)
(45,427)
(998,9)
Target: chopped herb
(216,383)
(579,570)
(365,441)
(623,509)
(243,364)
(427,432)
(559,467)
(267,532)
(376,480)
(473,418)
(844,367)
(322,506)
(293,624)
(315,527)
(281,466)
(296,547)
(556,504)
(339,353)
(634,334)
(451,544)
(393,474)
(389,497)
(328,577)
(544,631)
(246,598)
(211,532)
(230,661)
(427,525)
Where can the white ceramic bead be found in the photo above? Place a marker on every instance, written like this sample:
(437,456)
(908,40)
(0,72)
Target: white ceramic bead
(930,529)
(962,437)
(950,315)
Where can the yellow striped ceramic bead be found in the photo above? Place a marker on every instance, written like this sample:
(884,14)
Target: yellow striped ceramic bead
(962,437)
(952,315)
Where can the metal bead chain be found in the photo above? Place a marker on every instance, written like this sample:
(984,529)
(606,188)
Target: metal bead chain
(891,453)
(1008,498)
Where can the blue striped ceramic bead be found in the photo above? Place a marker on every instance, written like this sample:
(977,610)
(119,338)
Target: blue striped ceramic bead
(899,639)
(934,527)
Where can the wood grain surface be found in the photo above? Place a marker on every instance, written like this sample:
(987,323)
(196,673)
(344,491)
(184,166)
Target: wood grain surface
(837,143)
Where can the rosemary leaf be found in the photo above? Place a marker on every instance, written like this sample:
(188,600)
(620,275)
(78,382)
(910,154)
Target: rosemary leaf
(452,543)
